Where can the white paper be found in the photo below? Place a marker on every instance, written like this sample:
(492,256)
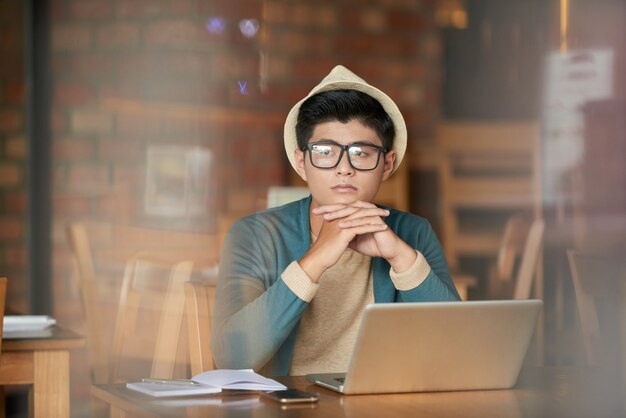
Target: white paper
(14,323)
(163,389)
(245,379)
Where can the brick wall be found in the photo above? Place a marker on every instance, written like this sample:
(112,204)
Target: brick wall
(131,74)
(13,155)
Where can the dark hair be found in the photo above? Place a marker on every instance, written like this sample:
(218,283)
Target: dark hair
(343,106)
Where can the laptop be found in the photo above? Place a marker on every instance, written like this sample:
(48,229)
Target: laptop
(437,346)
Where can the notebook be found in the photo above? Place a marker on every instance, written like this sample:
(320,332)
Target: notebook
(437,346)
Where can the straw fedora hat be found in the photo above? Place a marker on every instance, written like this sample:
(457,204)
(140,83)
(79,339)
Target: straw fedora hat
(340,78)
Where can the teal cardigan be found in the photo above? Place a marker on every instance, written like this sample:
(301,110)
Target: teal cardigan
(256,315)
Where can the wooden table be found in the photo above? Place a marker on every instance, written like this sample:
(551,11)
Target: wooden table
(540,392)
(44,363)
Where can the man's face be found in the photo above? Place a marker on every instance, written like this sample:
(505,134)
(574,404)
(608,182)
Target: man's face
(343,183)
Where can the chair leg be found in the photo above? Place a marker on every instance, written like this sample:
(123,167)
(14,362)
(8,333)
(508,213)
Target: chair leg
(3,406)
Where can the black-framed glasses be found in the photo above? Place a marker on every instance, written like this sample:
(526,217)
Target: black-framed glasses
(362,157)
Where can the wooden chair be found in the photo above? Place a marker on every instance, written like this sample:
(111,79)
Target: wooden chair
(151,304)
(520,247)
(599,290)
(97,347)
(487,171)
(199,302)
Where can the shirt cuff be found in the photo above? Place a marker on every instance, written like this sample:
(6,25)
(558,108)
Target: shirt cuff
(414,276)
(299,282)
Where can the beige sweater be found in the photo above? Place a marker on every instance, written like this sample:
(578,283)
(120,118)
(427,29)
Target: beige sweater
(329,325)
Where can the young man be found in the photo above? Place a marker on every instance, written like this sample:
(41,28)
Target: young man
(294,280)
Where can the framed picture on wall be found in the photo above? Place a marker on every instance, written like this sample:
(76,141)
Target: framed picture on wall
(177,181)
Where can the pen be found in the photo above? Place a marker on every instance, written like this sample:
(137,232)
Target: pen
(175,382)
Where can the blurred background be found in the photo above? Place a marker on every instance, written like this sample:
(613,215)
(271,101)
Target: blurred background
(154,124)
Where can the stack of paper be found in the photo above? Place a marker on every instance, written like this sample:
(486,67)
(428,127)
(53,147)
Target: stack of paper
(27,322)
(162,388)
(212,381)
(27,326)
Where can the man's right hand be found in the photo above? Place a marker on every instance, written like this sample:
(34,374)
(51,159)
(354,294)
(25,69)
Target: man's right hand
(333,240)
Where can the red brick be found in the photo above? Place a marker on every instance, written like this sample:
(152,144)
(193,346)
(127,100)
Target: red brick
(293,42)
(11,175)
(278,12)
(313,70)
(71,37)
(131,65)
(16,257)
(187,126)
(120,150)
(10,120)
(16,202)
(178,91)
(271,144)
(71,205)
(16,148)
(242,149)
(72,149)
(326,16)
(230,10)
(180,32)
(118,207)
(226,173)
(11,228)
(263,174)
(93,174)
(126,176)
(118,35)
(73,93)
(138,8)
(120,90)
(241,67)
(402,21)
(303,14)
(58,119)
(90,9)
(91,121)
(90,65)
(372,20)
(241,200)
(15,92)
(186,64)
(180,8)
(249,9)
(130,124)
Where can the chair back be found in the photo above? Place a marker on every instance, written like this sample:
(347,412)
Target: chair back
(151,304)
(3,298)
(530,262)
(199,301)
(96,340)
(486,171)
(597,281)
(518,258)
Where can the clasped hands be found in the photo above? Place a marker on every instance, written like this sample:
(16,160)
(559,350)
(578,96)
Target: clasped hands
(361,227)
